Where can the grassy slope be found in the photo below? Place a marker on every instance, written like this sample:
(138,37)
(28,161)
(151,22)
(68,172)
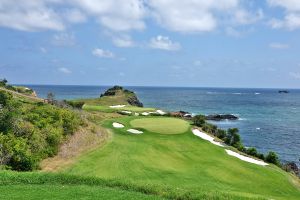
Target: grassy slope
(109,110)
(183,161)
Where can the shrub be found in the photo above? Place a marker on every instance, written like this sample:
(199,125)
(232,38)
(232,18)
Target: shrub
(252,151)
(221,134)
(232,137)
(272,157)
(3,82)
(199,120)
(75,104)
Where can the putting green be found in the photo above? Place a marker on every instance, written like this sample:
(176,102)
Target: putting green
(161,125)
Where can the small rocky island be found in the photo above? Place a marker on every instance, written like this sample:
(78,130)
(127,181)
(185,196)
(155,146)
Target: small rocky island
(219,117)
(118,91)
(283,91)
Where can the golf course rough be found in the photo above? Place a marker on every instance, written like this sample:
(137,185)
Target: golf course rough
(161,125)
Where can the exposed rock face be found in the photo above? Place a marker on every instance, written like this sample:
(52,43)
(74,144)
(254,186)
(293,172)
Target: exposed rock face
(219,117)
(182,114)
(133,100)
(112,91)
(130,96)
(291,167)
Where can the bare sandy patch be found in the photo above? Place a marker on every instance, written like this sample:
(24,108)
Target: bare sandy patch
(117,125)
(207,137)
(245,158)
(134,131)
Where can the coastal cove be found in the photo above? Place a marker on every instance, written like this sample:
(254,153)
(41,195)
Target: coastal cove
(268,120)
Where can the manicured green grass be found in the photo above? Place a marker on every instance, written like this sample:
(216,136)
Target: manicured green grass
(102,108)
(63,192)
(165,125)
(185,162)
(14,185)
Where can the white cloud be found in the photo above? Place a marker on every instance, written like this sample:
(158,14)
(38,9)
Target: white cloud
(123,41)
(75,16)
(117,15)
(244,17)
(102,53)
(291,5)
(199,16)
(64,39)
(188,16)
(164,43)
(29,15)
(295,75)
(65,70)
(291,19)
(276,45)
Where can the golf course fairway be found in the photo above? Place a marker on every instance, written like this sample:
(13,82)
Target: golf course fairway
(181,162)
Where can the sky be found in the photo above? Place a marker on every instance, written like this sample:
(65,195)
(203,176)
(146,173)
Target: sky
(198,43)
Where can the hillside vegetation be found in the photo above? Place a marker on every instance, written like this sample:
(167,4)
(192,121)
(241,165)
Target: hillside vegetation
(31,131)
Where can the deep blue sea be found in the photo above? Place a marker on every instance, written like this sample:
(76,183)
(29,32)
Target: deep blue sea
(269,121)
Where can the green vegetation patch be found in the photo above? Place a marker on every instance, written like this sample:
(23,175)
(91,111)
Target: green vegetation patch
(103,108)
(30,132)
(58,186)
(162,125)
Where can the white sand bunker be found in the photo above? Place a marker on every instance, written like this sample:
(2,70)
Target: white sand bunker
(145,113)
(134,131)
(160,112)
(117,106)
(117,125)
(126,112)
(245,158)
(207,137)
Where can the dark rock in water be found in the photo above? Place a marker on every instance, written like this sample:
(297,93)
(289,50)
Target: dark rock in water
(182,114)
(219,117)
(283,91)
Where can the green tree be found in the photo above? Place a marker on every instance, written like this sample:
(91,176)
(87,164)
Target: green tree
(233,138)
(272,158)
(199,120)
(51,98)
(8,111)
(3,82)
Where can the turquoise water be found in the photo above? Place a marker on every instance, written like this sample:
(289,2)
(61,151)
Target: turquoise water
(268,121)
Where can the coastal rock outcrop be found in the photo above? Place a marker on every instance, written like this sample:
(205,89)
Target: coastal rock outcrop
(128,96)
(181,114)
(219,117)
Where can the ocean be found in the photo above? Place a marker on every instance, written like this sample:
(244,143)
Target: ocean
(268,120)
